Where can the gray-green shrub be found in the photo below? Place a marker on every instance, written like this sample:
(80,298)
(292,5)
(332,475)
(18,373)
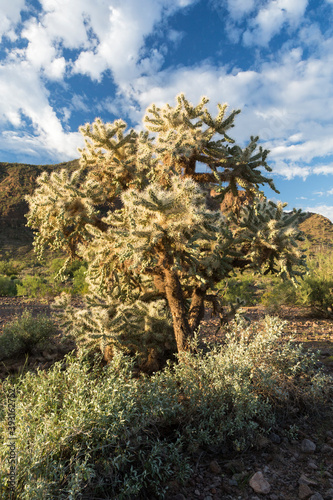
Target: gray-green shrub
(24,334)
(103,432)
(317,292)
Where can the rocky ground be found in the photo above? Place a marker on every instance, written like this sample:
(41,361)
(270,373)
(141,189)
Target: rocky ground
(295,461)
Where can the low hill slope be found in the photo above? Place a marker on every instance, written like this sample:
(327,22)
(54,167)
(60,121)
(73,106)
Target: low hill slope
(318,231)
(18,180)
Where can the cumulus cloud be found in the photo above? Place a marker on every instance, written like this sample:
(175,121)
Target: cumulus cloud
(67,38)
(10,16)
(271,18)
(25,104)
(325,210)
(323,169)
(285,102)
(285,99)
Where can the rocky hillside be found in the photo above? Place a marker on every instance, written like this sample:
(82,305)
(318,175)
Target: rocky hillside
(18,180)
(318,230)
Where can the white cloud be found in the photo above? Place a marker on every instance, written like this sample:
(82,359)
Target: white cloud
(325,210)
(101,36)
(291,170)
(285,102)
(323,169)
(10,15)
(239,8)
(271,18)
(24,101)
(285,99)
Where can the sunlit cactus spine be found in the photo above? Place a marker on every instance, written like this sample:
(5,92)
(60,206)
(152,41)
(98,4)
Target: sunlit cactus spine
(150,227)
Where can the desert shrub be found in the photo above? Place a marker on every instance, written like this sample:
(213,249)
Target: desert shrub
(277,293)
(10,267)
(8,286)
(104,432)
(80,285)
(36,286)
(72,277)
(317,293)
(242,288)
(24,334)
(321,264)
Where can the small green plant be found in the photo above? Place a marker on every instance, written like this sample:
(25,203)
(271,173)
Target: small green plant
(242,288)
(24,334)
(317,293)
(36,286)
(80,286)
(278,293)
(10,267)
(8,286)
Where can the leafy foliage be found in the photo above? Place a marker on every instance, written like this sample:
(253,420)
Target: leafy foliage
(22,335)
(8,286)
(83,430)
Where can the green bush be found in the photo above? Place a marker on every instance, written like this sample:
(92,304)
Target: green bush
(107,434)
(74,275)
(24,334)
(10,267)
(36,286)
(243,288)
(8,286)
(318,294)
(278,293)
(80,286)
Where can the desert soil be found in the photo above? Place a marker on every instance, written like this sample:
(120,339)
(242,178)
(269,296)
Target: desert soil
(289,467)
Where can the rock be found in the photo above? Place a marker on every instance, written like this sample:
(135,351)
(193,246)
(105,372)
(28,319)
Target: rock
(329,494)
(275,438)
(308,446)
(214,467)
(179,496)
(262,442)
(259,484)
(235,465)
(316,496)
(304,491)
(273,497)
(326,449)
(312,466)
(233,482)
(306,480)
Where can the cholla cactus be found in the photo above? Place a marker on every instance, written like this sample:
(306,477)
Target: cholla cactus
(160,243)
(270,239)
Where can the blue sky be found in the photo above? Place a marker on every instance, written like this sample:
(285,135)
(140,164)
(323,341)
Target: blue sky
(65,62)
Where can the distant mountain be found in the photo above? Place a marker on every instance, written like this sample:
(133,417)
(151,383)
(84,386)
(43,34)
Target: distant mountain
(18,180)
(318,231)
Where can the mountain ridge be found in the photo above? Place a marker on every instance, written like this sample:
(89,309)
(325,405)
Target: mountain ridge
(19,179)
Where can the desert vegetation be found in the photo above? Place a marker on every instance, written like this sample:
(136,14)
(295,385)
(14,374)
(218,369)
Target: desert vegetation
(135,245)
